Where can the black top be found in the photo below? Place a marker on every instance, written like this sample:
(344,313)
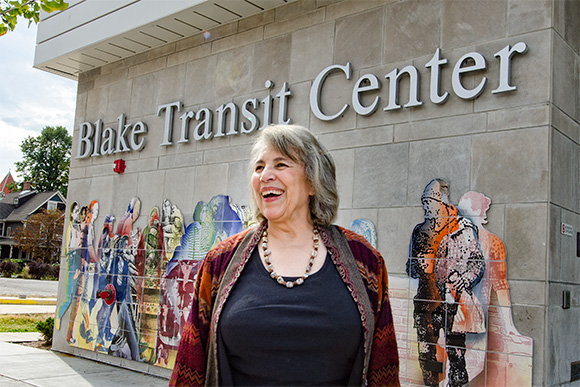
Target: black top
(308,335)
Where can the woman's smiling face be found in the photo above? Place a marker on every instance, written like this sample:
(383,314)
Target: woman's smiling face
(281,188)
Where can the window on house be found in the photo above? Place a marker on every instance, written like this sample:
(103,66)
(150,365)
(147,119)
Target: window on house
(52,205)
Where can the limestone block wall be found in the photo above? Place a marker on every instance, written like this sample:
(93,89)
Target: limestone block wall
(520,148)
(563,271)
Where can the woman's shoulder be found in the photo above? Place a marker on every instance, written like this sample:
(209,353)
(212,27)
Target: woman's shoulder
(362,250)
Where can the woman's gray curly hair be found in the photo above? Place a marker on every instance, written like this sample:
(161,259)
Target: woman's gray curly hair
(300,145)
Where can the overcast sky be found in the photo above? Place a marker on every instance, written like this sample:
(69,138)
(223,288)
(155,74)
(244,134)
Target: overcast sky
(30,98)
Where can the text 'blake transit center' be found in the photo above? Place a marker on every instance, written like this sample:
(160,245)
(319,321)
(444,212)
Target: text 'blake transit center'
(454,126)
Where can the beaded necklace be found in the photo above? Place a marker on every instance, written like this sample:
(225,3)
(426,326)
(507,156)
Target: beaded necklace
(279,278)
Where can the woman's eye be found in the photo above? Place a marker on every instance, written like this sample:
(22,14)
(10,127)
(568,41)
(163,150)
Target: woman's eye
(258,168)
(281,165)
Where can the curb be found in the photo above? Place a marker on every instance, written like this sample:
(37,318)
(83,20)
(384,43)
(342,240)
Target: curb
(27,301)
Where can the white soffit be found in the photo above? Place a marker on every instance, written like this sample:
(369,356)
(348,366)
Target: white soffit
(93,33)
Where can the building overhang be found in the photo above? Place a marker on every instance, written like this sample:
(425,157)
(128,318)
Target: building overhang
(92,33)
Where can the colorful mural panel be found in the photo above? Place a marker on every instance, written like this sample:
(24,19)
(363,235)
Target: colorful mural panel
(464,330)
(129,296)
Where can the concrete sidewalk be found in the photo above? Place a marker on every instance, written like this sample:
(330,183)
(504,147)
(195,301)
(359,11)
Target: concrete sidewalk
(25,366)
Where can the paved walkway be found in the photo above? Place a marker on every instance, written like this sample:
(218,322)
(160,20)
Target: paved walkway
(26,366)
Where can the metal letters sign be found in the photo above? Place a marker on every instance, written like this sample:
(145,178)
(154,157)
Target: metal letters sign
(256,113)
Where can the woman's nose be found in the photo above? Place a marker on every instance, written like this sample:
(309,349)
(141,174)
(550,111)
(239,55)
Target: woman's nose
(267,174)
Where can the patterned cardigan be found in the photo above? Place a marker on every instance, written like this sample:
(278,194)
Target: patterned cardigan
(362,269)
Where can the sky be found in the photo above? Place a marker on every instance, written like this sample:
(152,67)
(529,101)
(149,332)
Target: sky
(30,99)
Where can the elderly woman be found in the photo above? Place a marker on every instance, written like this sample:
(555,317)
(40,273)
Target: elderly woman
(295,300)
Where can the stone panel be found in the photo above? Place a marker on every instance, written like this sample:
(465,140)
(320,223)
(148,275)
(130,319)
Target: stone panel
(521,117)
(448,158)
(529,72)
(569,262)
(525,241)
(210,180)
(188,55)
(527,292)
(359,39)
(144,95)
(254,21)
(440,127)
(149,188)
(289,25)
(344,162)
(181,160)
(96,104)
(394,230)
(233,75)
(526,16)
(119,99)
(565,124)
(114,76)
(380,176)
(554,241)
(564,162)
(200,81)
(358,137)
(345,217)
(413,29)
(351,7)
(171,85)
(238,184)
(270,61)
(530,321)
(564,91)
(567,22)
(237,40)
(232,153)
(469,22)
(148,67)
(562,339)
(295,8)
(178,187)
(512,166)
(312,50)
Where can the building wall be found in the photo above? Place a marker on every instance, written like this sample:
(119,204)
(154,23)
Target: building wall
(563,270)
(520,148)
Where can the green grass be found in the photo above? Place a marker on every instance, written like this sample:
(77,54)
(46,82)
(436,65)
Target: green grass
(21,322)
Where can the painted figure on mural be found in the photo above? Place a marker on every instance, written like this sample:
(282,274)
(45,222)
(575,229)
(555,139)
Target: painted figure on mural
(460,266)
(81,266)
(502,335)
(440,220)
(86,288)
(73,260)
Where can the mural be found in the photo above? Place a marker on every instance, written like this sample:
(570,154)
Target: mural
(129,296)
(461,310)
(128,291)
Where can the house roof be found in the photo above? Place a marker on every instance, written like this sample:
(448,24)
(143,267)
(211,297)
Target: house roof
(4,183)
(10,212)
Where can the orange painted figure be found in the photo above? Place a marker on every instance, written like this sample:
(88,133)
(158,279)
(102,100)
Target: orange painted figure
(440,220)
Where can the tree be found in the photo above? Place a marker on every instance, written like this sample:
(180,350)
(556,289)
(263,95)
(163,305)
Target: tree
(41,236)
(10,11)
(46,159)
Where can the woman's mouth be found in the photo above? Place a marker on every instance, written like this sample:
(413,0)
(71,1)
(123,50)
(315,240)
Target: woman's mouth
(270,193)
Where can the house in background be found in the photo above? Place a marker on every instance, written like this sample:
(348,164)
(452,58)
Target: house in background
(16,208)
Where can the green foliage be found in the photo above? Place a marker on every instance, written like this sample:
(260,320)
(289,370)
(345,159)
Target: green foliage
(10,11)
(41,237)
(46,159)
(46,327)
(21,322)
